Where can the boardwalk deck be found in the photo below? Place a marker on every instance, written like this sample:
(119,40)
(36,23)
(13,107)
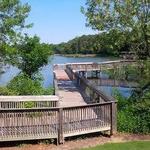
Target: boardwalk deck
(78,120)
(68,92)
(70,116)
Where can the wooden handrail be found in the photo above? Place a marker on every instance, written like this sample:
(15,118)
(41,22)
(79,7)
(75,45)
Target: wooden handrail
(59,122)
(53,108)
(72,65)
(28,98)
(88,84)
(55,84)
(28,101)
(96,90)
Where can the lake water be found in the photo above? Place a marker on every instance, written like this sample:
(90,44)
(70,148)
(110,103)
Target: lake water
(47,71)
(110,91)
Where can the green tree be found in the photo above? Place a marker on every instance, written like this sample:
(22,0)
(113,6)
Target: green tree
(12,20)
(31,55)
(106,43)
(125,15)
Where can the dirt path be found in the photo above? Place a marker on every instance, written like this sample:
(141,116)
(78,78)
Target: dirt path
(80,143)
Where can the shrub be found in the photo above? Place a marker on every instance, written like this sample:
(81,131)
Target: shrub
(48,91)
(6,91)
(23,85)
(134,116)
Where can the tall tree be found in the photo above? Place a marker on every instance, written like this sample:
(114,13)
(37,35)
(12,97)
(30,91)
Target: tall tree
(125,15)
(12,20)
(31,55)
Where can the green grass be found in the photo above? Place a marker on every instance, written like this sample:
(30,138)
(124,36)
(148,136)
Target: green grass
(141,145)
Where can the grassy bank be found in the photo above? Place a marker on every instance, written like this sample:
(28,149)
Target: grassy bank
(138,145)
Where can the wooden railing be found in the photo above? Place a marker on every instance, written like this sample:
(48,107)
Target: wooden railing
(88,118)
(59,67)
(26,124)
(55,84)
(39,117)
(28,101)
(100,66)
(90,91)
(43,123)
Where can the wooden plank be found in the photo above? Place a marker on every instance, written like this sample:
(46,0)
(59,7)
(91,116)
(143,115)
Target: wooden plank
(87,131)
(60,128)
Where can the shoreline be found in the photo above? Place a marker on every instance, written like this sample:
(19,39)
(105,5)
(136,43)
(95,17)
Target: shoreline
(84,55)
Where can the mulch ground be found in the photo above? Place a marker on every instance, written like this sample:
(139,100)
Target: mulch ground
(74,143)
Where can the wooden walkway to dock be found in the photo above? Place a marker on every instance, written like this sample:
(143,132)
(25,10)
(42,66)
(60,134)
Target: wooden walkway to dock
(65,114)
(68,93)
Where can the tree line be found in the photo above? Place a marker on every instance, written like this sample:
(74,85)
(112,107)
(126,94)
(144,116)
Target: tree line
(123,26)
(110,43)
(130,17)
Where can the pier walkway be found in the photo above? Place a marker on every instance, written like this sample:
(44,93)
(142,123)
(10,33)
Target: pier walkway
(69,95)
(64,114)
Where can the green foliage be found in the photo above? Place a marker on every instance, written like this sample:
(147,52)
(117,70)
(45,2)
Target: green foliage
(12,19)
(145,72)
(6,91)
(131,16)
(31,55)
(29,104)
(125,73)
(24,85)
(48,91)
(134,113)
(103,44)
(122,102)
(135,119)
(134,116)
(13,15)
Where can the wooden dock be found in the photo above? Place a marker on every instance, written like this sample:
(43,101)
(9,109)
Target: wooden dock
(65,114)
(69,95)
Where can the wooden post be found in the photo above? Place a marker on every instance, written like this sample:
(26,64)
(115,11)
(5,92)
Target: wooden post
(113,113)
(60,127)
(86,75)
(114,67)
(78,81)
(97,72)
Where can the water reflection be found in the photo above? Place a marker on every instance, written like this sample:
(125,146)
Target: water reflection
(110,90)
(110,87)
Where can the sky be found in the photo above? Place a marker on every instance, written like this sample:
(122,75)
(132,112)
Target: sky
(57,21)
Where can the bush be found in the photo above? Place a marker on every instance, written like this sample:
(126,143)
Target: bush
(134,116)
(6,91)
(23,85)
(49,91)
(122,102)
